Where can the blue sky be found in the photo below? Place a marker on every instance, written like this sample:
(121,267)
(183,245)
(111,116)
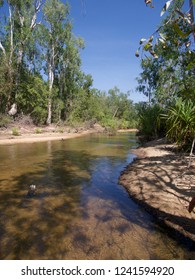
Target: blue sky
(112,30)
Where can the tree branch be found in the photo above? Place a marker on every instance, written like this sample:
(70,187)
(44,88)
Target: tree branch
(191,152)
(3,49)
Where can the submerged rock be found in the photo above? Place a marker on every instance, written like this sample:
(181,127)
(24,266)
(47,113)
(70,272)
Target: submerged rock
(31,191)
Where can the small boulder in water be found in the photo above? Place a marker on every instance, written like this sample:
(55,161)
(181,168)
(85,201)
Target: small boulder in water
(31,190)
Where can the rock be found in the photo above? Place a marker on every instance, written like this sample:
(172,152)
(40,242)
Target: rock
(13,110)
(31,191)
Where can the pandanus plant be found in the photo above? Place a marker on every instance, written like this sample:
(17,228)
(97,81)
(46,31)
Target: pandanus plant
(180,122)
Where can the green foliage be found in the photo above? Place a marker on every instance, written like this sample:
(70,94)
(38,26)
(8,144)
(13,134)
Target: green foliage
(32,98)
(180,121)
(150,123)
(15,131)
(168,75)
(39,115)
(172,74)
(132,123)
(38,130)
(180,16)
(110,123)
(33,92)
(6,84)
(114,110)
(41,70)
(4,120)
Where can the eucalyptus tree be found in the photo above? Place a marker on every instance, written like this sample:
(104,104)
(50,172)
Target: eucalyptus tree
(70,78)
(177,16)
(168,62)
(26,12)
(53,38)
(171,73)
(6,54)
(16,34)
(148,78)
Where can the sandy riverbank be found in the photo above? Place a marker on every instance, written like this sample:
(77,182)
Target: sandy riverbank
(162,183)
(29,135)
(49,134)
(31,138)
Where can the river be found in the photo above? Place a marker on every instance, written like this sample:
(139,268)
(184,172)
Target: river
(78,211)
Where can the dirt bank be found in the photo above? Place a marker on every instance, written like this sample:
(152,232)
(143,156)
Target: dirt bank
(31,134)
(161,181)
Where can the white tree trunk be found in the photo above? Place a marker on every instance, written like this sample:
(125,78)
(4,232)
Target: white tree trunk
(50,80)
(3,49)
(11,34)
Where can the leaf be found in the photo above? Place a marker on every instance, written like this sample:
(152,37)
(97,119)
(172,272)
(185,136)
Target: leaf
(188,18)
(148,2)
(166,6)
(150,39)
(142,41)
(137,53)
(147,46)
(190,66)
(161,40)
(188,44)
(162,36)
(153,54)
(180,32)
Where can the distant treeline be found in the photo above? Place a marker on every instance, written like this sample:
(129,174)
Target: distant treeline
(40,70)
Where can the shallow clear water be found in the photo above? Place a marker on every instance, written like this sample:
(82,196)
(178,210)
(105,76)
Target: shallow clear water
(79,211)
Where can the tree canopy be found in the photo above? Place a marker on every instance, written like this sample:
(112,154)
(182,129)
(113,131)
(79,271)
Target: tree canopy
(168,72)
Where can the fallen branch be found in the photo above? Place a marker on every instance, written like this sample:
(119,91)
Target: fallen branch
(191,152)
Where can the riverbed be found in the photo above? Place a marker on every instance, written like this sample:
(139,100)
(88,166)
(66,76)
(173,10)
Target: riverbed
(79,211)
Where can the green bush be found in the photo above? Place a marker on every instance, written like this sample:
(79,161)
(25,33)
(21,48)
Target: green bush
(39,115)
(32,94)
(4,120)
(150,123)
(110,123)
(38,130)
(15,131)
(180,122)
(124,124)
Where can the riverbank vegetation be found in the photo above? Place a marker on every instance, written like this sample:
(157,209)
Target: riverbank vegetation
(168,75)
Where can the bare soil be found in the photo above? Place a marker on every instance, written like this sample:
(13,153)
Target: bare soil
(29,133)
(163,183)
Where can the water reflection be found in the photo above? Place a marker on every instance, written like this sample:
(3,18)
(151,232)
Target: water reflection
(79,211)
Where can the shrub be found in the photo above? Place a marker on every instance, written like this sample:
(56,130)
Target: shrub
(38,130)
(39,115)
(124,124)
(150,123)
(110,123)
(4,120)
(15,131)
(180,122)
